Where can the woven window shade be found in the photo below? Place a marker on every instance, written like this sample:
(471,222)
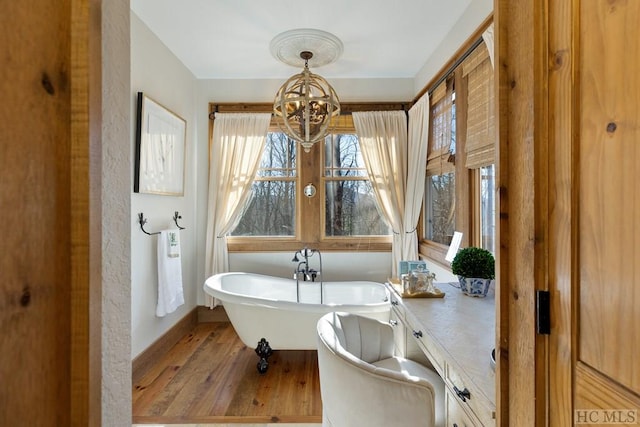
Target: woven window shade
(343,124)
(480,142)
(440,135)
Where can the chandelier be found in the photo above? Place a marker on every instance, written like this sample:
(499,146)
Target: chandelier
(306,103)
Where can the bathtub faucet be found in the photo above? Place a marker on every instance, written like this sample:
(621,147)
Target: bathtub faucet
(304,273)
(305,252)
(302,270)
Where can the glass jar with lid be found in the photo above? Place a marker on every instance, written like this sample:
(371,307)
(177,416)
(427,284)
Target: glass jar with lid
(418,281)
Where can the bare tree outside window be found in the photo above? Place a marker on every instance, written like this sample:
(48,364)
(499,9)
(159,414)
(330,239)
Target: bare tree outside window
(440,208)
(487,208)
(350,206)
(439,202)
(272,209)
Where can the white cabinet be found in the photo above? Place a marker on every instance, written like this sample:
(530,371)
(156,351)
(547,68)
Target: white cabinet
(456,415)
(405,342)
(396,320)
(454,336)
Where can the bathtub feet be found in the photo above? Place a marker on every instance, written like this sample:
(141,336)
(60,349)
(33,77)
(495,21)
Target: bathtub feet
(263,365)
(263,350)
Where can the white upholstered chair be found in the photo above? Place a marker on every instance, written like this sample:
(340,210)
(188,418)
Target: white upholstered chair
(362,383)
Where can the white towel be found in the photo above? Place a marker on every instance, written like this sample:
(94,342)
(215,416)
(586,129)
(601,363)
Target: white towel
(170,294)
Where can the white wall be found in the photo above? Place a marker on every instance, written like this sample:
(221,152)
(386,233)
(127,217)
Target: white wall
(115,201)
(336,266)
(469,22)
(156,72)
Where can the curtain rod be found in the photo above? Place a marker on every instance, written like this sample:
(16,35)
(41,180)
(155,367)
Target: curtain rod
(342,113)
(346,110)
(455,65)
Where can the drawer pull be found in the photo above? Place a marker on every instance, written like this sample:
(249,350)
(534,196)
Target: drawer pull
(417,334)
(393,322)
(462,394)
(394,302)
(455,425)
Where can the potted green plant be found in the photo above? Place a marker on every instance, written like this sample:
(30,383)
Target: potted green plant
(475,268)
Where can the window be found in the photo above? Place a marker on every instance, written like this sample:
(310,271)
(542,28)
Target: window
(440,208)
(440,196)
(460,174)
(272,209)
(487,208)
(342,215)
(480,144)
(350,207)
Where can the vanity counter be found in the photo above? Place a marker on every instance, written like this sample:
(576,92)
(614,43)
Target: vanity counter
(457,334)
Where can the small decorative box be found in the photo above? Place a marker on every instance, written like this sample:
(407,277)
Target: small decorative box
(405,267)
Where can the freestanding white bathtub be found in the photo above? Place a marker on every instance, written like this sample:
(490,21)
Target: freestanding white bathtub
(266,307)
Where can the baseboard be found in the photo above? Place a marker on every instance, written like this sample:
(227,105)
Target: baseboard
(145,360)
(216,314)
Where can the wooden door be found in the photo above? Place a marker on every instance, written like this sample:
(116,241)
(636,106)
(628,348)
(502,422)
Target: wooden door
(594,233)
(47,353)
(607,281)
(568,74)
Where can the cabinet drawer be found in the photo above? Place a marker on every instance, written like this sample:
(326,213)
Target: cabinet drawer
(456,415)
(426,345)
(476,403)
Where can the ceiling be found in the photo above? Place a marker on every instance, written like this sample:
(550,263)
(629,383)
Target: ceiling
(229,39)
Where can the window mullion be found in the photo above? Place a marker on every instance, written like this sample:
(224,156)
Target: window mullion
(308,210)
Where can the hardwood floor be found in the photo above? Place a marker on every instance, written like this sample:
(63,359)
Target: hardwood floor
(210,376)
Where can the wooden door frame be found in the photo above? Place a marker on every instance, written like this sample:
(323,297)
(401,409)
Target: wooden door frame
(86,213)
(50,295)
(562,221)
(522,166)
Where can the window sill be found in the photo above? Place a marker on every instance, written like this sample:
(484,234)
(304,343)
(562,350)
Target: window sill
(434,252)
(274,244)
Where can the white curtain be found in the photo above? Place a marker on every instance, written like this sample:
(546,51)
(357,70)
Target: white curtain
(383,142)
(234,158)
(487,36)
(416,167)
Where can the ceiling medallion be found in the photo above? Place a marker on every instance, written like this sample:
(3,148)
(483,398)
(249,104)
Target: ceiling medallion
(286,47)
